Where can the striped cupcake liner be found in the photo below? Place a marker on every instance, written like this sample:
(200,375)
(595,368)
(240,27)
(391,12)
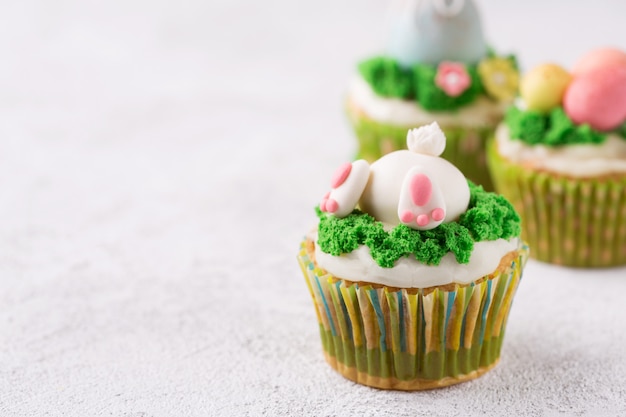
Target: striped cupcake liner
(465,147)
(412,339)
(578,222)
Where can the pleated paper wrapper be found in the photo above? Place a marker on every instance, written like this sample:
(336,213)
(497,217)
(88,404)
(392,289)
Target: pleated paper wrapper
(465,146)
(412,339)
(579,222)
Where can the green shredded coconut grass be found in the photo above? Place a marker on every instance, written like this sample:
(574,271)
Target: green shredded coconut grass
(489,217)
(552,129)
(387,78)
(431,97)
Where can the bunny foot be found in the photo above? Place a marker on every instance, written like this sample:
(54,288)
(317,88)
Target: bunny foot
(421,205)
(347,185)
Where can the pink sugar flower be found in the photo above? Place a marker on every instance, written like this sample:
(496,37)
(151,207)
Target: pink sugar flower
(452,78)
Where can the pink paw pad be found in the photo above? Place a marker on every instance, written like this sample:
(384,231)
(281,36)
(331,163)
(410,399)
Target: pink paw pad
(438,214)
(421,189)
(340,175)
(422,220)
(421,205)
(324,201)
(347,183)
(407,217)
(331,205)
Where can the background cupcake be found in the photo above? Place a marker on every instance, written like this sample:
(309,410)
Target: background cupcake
(413,290)
(560,157)
(437,66)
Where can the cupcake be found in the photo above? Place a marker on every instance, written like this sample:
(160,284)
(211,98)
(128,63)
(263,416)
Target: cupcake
(560,158)
(437,66)
(412,269)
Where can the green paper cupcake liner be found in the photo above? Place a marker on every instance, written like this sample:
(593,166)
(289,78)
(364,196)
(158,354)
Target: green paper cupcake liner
(465,146)
(412,339)
(578,222)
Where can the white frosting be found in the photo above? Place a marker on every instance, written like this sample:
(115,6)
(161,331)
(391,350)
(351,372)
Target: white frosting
(428,139)
(482,112)
(382,193)
(577,161)
(358,265)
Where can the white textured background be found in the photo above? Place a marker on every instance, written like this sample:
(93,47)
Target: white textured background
(159,163)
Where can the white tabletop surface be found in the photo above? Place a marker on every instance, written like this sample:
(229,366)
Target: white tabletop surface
(159,163)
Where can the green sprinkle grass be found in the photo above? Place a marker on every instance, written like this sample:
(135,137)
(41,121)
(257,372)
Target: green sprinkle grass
(489,217)
(552,129)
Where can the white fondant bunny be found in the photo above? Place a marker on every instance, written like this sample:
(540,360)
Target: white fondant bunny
(414,187)
(432,31)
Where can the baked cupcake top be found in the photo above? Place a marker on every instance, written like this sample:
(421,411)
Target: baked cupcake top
(570,122)
(437,60)
(412,220)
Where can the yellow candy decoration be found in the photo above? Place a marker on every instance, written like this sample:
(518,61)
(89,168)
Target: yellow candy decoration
(543,87)
(499,77)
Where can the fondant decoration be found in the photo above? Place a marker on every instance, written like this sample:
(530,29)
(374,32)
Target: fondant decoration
(387,175)
(543,87)
(593,97)
(426,139)
(415,186)
(421,205)
(598,98)
(347,186)
(599,58)
(452,78)
(432,31)
(499,77)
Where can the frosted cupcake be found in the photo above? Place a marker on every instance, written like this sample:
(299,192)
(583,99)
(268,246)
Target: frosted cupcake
(412,269)
(560,157)
(437,66)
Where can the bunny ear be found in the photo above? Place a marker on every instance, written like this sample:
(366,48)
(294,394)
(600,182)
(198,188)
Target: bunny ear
(428,140)
(448,8)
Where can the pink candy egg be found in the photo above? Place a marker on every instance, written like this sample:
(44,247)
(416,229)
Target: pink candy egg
(598,97)
(599,58)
